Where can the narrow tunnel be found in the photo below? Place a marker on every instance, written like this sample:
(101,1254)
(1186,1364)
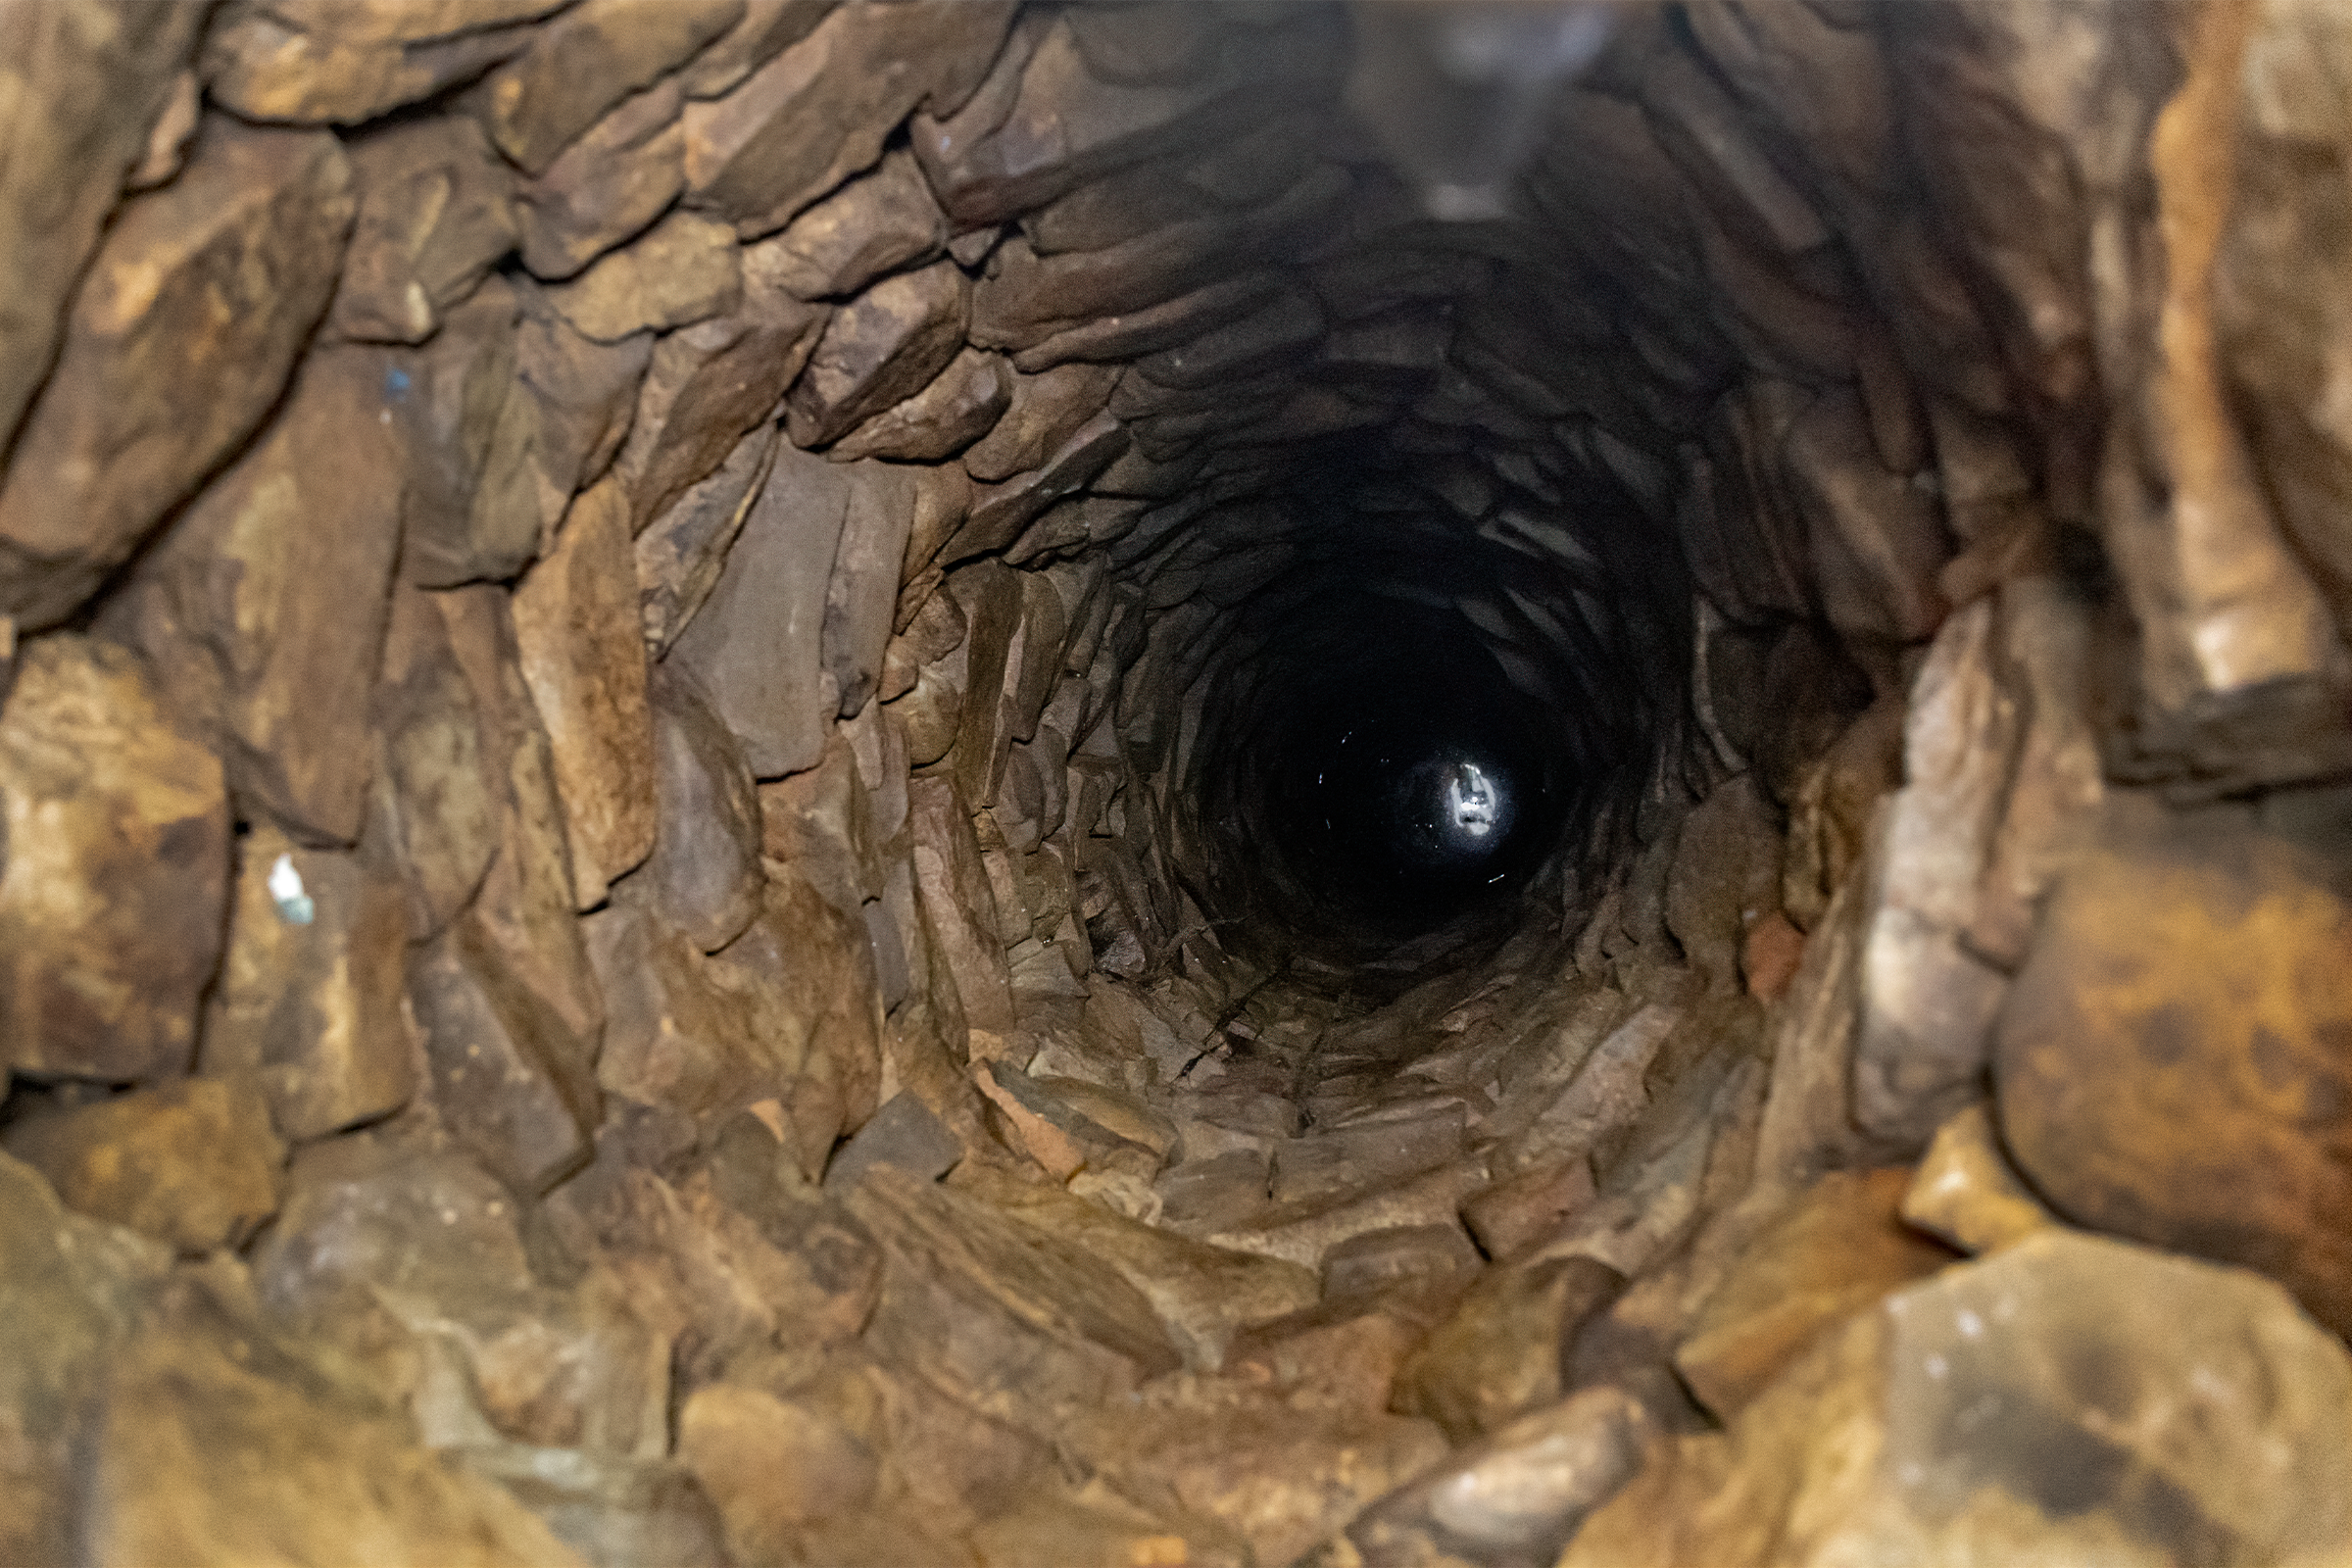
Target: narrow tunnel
(898,782)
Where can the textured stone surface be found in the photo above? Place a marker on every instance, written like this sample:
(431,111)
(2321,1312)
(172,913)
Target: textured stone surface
(265,631)
(683,271)
(192,1163)
(308,1000)
(605,188)
(757,647)
(1966,1192)
(1500,1353)
(316,61)
(958,407)
(117,879)
(180,339)
(2173,1062)
(879,349)
(436,212)
(704,875)
(587,59)
(820,110)
(1993,1411)
(876,223)
(85,85)
(584,661)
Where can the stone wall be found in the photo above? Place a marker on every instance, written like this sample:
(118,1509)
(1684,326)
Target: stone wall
(636,912)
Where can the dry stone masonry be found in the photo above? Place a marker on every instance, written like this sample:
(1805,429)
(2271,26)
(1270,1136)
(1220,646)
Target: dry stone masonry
(657,898)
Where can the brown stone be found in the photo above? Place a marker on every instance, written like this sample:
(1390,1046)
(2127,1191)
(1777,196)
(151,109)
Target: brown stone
(77,1289)
(879,350)
(308,1002)
(773,1467)
(903,1133)
(180,339)
(768,27)
(1836,1253)
(757,647)
(1502,1353)
(1966,1192)
(1280,1478)
(586,394)
(703,1036)
(1962,1419)
(824,962)
(436,212)
(315,61)
(2174,1060)
(1010,1320)
(1001,513)
(84,86)
(1093,1523)
(876,223)
(586,61)
(710,385)
(607,188)
(992,162)
(265,631)
(682,271)
(821,110)
(958,902)
(704,877)
(679,557)
(115,884)
(1513,1215)
(960,404)
(436,807)
(215,1441)
(192,1163)
(473,506)
(1046,411)
(583,657)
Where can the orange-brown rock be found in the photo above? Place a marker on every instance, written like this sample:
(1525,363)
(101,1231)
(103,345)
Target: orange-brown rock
(2175,1062)
(193,1163)
(182,337)
(876,223)
(682,271)
(84,84)
(308,1004)
(265,631)
(607,188)
(704,877)
(2071,1399)
(117,878)
(1502,1353)
(584,659)
(1840,1249)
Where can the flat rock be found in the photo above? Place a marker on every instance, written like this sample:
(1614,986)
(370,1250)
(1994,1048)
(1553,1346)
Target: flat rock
(757,647)
(862,596)
(583,658)
(181,340)
(994,162)
(1836,1253)
(879,349)
(1203,1295)
(193,1163)
(2175,1061)
(436,212)
(1502,1351)
(2071,1399)
(682,271)
(265,631)
(821,110)
(587,59)
(586,393)
(605,188)
(704,877)
(116,880)
(318,62)
(1966,1192)
(958,905)
(1013,1321)
(876,223)
(473,506)
(958,407)
(308,1000)
(436,803)
(83,88)
(772,1466)
(681,553)
(77,1287)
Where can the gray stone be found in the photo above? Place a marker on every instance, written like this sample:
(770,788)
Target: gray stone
(436,213)
(903,1134)
(863,591)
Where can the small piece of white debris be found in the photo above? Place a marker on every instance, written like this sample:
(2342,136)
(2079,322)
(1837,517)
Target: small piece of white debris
(294,905)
